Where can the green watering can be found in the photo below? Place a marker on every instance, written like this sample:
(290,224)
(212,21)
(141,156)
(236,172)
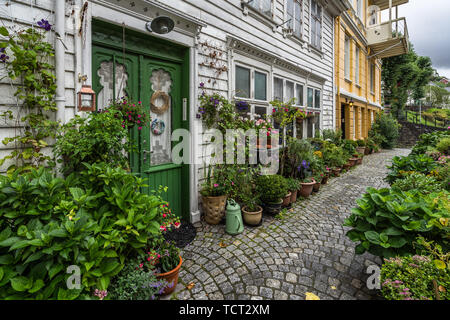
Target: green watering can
(235,225)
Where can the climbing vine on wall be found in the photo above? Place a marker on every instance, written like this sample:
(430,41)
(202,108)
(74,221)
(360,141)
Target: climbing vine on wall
(27,59)
(213,60)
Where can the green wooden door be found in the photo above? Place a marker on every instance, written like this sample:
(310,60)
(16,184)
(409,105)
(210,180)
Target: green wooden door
(142,73)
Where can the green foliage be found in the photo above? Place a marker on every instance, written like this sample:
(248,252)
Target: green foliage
(411,278)
(98,138)
(93,221)
(36,90)
(386,129)
(293,184)
(271,188)
(387,221)
(444,145)
(333,155)
(418,181)
(135,283)
(218,181)
(243,190)
(429,141)
(132,114)
(349,147)
(402,166)
(298,151)
(332,136)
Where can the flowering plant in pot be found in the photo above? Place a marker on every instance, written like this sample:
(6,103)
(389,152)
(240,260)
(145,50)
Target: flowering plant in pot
(214,195)
(307,182)
(133,114)
(165,258)
(361,148)
(294,185)
(272,189)
(266,129)
(242,106)
(318,177)
(251,211)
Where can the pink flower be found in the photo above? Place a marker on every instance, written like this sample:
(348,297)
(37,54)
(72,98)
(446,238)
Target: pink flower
(139,115)
(140,128)
(139,121)
(216,185)
(139,102)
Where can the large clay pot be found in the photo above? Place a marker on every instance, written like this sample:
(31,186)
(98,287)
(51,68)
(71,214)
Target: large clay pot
(294,196)
(287,200)
(337,172)
(359,161)
(347,165)
(307,188)
(353,161)
(361,150)
(325,179)
(273,208)
(252,218)
(171,277)
(214,208)
(316,187)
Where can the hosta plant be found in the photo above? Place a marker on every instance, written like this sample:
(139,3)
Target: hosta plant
(387,221)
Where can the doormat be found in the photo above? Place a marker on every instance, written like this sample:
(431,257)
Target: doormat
(182,236)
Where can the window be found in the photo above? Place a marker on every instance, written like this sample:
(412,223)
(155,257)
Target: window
(347,58)
(278,89)
(299,100)
(372,77)
(242,82)
(263,6)
(373,15)
(316,25)
(357,53)
(310,98)
(317,97)
(289,91)
(294,14)
(260,86)
(359,8)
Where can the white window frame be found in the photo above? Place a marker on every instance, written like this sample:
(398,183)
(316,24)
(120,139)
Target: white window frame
(292,24)
(260,9)
(314,89)
(359,9)
(347,57)
(357,64)
(311,19)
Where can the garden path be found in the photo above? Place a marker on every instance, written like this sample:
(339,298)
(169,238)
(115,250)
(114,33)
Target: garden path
(306,251)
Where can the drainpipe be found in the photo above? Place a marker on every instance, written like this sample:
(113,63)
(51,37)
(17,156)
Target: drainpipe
(60,16)
(77,50)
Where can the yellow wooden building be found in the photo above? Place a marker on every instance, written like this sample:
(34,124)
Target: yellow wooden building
(361,41)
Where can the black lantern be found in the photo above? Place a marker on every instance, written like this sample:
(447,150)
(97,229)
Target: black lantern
(161,25)
(86,99)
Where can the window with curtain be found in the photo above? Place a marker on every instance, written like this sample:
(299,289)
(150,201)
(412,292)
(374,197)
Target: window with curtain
(242,82)
(316,25)
(289,91)
(278,89)
(347,57)
(317,99)
(357,57)
(263,6)
(294,14)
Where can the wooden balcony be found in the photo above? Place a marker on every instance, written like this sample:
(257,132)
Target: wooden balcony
(384,4)
(388,39)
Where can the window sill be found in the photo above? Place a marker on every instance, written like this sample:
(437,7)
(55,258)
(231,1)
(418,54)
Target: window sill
(348,80)
(294,38)
(248,10)
(316,50)
(358,85)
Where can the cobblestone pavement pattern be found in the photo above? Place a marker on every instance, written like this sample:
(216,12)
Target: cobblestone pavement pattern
(307,251)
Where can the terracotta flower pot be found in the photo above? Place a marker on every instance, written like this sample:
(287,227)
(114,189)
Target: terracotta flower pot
(316,187)
(337,172)
(361,150)
(353,161)
(287,200)
(307,188)
(214,208)
(325,179)
(367,151)
(252,218)
(347,166)
(294,196)
(171,277)
(359,161)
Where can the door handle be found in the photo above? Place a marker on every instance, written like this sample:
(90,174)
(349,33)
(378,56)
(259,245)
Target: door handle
(145,152)
(184,109)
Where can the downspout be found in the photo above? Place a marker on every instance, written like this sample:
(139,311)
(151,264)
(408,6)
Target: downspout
(338,74)
(333,95)
(77,49)
(60,16)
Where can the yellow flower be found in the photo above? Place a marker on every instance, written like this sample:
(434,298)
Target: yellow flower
(311,296)
(318,154)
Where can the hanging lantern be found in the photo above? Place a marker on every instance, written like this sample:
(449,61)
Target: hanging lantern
(86,99)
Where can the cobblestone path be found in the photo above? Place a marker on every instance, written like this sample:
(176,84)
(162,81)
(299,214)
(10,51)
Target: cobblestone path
(306,251)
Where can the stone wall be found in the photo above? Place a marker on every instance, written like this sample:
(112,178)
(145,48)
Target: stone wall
(410,132)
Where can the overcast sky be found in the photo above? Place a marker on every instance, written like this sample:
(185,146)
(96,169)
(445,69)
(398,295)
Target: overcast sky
(429,30)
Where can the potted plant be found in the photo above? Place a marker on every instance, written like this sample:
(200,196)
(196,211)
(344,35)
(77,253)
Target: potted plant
(326,176)
(165,258)
(361,148)
(272,189)
(307,185)
(214,197)
(318,179)
(251,211)
(294,186)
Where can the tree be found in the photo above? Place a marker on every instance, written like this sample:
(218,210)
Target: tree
(404,75)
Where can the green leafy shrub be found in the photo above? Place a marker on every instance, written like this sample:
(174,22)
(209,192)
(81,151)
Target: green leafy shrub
(332,136)
(349,147)
(411,278)
(293,184)
(98,138)
(135,283)
(418,181)
(386,128)
(429,141)
(333,156)
(271,188)
(444,146)
(361,143)
(401,166)
(94,220)
(387,221)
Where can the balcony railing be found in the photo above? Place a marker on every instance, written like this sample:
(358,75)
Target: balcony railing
(384,4)
(389,39)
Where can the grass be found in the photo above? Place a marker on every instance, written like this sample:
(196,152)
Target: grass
(412,118)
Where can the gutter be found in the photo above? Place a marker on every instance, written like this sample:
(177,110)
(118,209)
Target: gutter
(60,98)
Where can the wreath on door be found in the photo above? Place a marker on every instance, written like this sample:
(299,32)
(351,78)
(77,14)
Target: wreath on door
(159,95)
(158,127)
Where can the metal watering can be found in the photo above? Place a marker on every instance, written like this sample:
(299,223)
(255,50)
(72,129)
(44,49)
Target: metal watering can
(234,223)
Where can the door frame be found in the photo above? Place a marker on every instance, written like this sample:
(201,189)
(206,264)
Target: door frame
(160,49)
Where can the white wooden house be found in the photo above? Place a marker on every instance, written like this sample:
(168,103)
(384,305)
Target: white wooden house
(254,50)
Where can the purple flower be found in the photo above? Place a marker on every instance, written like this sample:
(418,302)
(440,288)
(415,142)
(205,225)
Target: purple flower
(44,24)
(202,84)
